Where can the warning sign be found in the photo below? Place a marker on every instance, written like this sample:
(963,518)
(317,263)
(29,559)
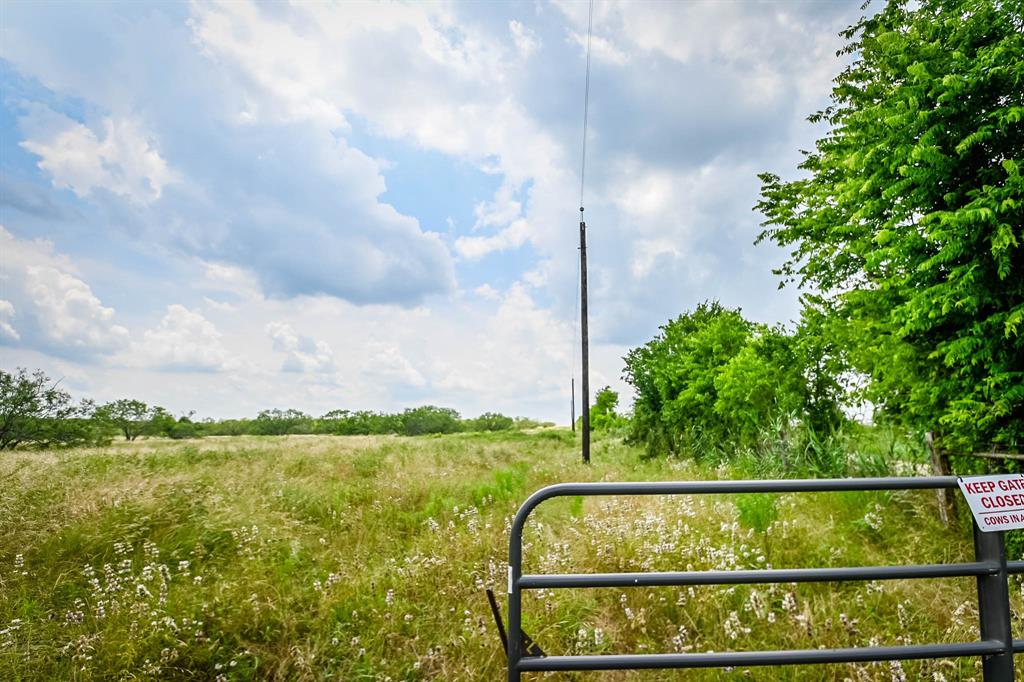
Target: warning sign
(997,502)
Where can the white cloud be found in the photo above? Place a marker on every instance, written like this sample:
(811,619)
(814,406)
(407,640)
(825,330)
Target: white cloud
(646,253)
(184,340)
(487,292)
(6,314)
(387,363)
(771,44)
(303,353)
(601,48)
(526,41)
(277,191)
(74,315)
(122,159)
(511,237)
(231,278)
(54,308)
(219,306)
(451,97)
(519,351)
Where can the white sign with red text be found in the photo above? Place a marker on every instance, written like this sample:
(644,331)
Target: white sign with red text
(997,502)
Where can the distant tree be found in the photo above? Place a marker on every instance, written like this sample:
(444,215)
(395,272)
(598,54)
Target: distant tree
(184,427)
(523,423)
(129,416)
(159,422)
(228,427)
(36,412)
(333,422)
(490,421)
(282,422)
(602,412)
(359,423)
(907,217)
(430,419)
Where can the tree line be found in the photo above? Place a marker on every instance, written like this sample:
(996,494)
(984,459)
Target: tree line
(35,411)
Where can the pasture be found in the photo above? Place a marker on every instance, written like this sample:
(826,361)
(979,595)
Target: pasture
(366,558)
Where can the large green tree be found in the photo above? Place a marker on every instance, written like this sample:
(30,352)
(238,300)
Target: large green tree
(907,222)
(128,415)
(36,412)
(712,379)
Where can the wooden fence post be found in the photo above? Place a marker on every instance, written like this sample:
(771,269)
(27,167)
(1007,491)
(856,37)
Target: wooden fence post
(940,467)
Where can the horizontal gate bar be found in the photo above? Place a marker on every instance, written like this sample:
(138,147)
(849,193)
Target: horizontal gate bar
(1013,567)
(720,487)
(755,658)
(761,576)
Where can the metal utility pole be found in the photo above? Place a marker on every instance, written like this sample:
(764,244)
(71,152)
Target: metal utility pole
(572,408)
(586,340)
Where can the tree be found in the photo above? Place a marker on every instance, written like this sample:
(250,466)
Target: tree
(282,422)
(712,379)
(908,222)
(430,419)
(674,377)
(35,411)
(490,421)
(130,416)
(159,422)
(359,423)
(184,427)
(602,412)
(762,382)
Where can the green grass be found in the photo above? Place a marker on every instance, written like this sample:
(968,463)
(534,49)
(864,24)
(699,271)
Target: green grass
(365,558)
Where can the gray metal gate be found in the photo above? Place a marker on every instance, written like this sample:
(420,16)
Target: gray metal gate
(996,645)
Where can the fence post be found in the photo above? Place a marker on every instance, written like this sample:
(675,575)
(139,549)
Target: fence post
(515,597)
(994,606)
(940,467)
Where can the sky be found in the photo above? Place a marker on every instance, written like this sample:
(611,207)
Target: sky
(228,207)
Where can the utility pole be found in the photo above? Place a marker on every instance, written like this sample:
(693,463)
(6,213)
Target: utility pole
(572,407)
(586,340)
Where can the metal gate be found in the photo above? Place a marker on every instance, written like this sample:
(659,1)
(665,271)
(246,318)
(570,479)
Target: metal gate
(996,645)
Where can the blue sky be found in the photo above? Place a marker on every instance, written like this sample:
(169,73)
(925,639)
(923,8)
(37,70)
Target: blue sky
(226,207)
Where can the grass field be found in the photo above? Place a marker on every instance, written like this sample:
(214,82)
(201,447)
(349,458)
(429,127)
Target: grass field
(366,558)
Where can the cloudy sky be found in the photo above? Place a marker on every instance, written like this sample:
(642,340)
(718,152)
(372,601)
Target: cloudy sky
(225,207)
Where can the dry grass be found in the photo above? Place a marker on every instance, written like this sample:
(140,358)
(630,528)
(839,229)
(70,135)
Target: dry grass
(365,558)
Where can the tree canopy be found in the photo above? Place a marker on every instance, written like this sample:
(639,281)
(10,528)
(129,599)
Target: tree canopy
(36,412)
(713,379)
(128,415)
(907,225)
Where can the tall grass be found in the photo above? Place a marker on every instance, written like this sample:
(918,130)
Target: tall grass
(788,449)
(365,558)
